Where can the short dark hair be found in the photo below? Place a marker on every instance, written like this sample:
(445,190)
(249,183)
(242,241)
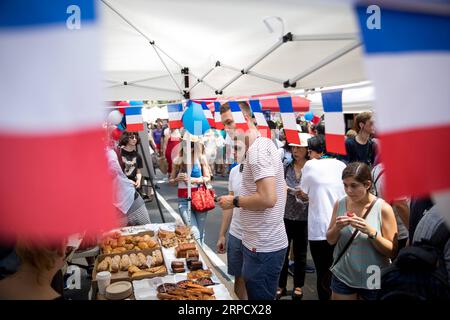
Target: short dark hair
(320,127)
(126,136)
(317,144)
(245,108)
(358,171)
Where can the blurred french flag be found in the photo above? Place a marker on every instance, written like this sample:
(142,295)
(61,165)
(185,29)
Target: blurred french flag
(288,118)
(54,171)
(175,112)
(408,59)
(261,122)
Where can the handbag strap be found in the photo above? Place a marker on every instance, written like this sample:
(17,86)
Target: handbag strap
(355,233)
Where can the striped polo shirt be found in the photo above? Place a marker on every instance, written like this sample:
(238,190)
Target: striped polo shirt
(263,231)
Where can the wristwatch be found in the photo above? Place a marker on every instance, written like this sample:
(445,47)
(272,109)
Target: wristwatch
(236,201)
(374,235)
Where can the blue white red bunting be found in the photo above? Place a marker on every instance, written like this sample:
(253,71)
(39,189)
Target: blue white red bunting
(208,114)
(261,122)
(217,119)
(334,120)
(289,120)
(134,119)
(175,112)
(238,117)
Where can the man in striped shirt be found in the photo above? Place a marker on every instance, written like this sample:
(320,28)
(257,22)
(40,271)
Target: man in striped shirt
(262,199)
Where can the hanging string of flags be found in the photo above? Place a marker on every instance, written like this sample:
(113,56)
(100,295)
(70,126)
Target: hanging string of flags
(208,114)
(133,116)
(217,119)
(289,120)
(334,119)
(261,122)
(175,112)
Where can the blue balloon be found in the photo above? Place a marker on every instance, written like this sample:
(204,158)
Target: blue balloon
(136,103)
(309,116)
(194,120)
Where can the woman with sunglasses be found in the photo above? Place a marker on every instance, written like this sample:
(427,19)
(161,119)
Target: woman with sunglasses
(200,174)
(295,219)
(130,159)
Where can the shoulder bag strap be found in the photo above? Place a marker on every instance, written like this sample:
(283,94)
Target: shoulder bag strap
(355,233)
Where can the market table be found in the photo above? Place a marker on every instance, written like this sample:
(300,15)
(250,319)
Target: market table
(145,289)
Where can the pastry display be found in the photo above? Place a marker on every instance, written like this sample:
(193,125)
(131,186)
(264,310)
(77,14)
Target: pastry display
(168,238)
(187,291)
(178,266)
(205,281)
(196,274)
(183,284)
(115,243)
(195,265)
(181,249)
(163,288)
(134,272)
(136,262)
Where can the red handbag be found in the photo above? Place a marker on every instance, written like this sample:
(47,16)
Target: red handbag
(203,199)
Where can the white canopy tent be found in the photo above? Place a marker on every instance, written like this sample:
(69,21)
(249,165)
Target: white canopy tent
(355,99)
(322,47)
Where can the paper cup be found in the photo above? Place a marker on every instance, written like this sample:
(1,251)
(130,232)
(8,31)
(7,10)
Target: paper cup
(103,280)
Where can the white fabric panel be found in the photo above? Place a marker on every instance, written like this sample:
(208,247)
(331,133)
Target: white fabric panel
(397,108)
(28,107)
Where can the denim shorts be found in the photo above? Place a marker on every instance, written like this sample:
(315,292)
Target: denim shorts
(340,287)
(261,272)
(235,256)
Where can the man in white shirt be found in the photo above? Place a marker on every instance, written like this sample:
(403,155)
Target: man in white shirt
(233,247)
(262,200)
(322,182)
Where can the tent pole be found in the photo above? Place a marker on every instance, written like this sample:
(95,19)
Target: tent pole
(284,39)
(292,82)
(264,55)
(188,173)
(152,175)
(151,78)
(201,79)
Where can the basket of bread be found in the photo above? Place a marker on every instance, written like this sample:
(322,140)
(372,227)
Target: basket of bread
(117,243)
(146,263)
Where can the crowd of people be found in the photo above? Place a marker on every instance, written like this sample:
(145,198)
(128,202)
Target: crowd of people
(282,197)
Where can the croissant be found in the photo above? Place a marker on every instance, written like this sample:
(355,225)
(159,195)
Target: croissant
(142,260)
(151,243)
(134,260)
(103,266)
(133,269)
(114,266)
(125,263)
(143,245)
